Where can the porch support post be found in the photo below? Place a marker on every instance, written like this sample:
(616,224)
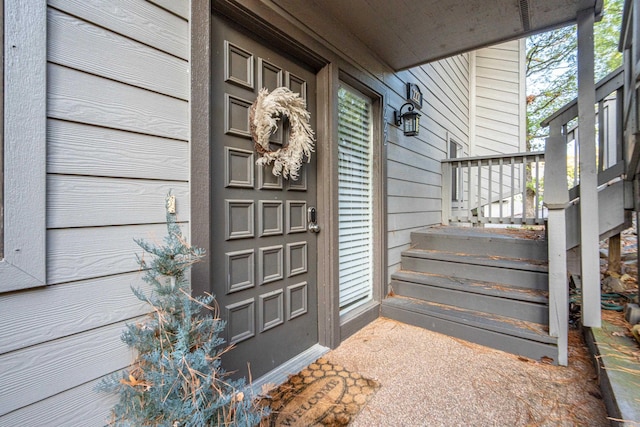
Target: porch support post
(200,136)
(589,228)
(556,199)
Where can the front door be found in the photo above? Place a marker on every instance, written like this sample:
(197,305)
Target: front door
(263,256)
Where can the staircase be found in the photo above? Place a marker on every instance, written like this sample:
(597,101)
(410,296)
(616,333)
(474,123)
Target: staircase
(487,286)
(500,288)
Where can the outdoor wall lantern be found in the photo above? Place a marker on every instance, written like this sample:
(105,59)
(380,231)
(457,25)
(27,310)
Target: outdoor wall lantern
(410,119)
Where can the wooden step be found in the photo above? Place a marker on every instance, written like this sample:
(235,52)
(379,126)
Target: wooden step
(518,337)
(510,301)
(524,273)
(508,242)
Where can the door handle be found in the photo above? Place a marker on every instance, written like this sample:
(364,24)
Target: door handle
(313,224)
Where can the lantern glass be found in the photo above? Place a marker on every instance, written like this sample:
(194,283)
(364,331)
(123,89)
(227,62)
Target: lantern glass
(411,122)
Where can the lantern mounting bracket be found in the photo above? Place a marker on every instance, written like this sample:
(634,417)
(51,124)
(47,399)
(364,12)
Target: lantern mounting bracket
(398,115)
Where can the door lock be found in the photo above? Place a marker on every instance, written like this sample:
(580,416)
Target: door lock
(313,224)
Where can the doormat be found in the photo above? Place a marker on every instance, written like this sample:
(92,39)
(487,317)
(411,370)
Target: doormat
(323,394)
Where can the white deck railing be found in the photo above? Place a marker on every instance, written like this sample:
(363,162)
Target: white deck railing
(563,139)
(493,189)
(564,132)
(510,188)
(498,189)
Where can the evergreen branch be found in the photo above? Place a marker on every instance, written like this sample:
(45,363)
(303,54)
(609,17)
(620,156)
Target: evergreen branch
(176,378)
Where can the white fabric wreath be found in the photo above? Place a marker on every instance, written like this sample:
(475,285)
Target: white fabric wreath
(264,114)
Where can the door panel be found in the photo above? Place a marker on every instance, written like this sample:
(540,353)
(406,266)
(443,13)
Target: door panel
(263,258)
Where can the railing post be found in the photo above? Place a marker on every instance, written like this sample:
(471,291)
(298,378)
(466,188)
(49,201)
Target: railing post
(446,192)
(589,228)
(556,199)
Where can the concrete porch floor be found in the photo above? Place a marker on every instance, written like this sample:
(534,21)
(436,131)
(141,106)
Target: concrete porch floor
(429,379)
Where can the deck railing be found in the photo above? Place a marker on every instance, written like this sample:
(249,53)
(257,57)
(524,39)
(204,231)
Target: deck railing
(563,139)
(536,188)
(564,132)
(497,189)
(510,188)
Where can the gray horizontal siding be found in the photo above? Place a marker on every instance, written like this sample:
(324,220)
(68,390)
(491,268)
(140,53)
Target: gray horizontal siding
(66,310)
(499,99)
(401,171)
(113,56)
(81,149)
(411,205)
(136,19)
(117,142)
(38,372)
(63,409)
(491,113)
(81,201)
(412,158)
(498,126)
(413,163)
(413,167)
(179,7)
(81,97)
(497,85)
(84,253)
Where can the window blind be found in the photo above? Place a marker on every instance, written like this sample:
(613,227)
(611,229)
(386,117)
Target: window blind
(354,198)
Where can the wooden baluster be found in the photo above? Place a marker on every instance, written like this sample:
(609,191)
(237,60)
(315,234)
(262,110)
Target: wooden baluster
(537,195)
(479,205)
(489,189)
(524,189)
(470,196)
(500,192)
(513,188)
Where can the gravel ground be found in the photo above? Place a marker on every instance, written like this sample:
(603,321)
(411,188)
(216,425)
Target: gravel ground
(429,379)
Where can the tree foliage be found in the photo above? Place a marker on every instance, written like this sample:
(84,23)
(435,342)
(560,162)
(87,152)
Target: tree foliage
(551,67)
(606,39)
(176,378)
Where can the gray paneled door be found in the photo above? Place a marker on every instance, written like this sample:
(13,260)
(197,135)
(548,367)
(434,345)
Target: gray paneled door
(263,257)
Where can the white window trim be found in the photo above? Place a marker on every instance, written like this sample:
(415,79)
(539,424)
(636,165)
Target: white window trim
(25,122)
(460,178)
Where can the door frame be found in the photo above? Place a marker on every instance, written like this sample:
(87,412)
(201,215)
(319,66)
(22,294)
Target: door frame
(271,26)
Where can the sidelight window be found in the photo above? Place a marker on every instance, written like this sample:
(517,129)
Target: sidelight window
(355,200)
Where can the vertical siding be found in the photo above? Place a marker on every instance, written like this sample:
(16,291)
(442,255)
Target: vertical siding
(500,115)
(117,141)
(414,180)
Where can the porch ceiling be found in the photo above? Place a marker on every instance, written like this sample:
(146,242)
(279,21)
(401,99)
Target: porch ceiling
(406,33)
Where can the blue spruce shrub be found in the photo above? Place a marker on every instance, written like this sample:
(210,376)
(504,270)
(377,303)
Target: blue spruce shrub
(177,379)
